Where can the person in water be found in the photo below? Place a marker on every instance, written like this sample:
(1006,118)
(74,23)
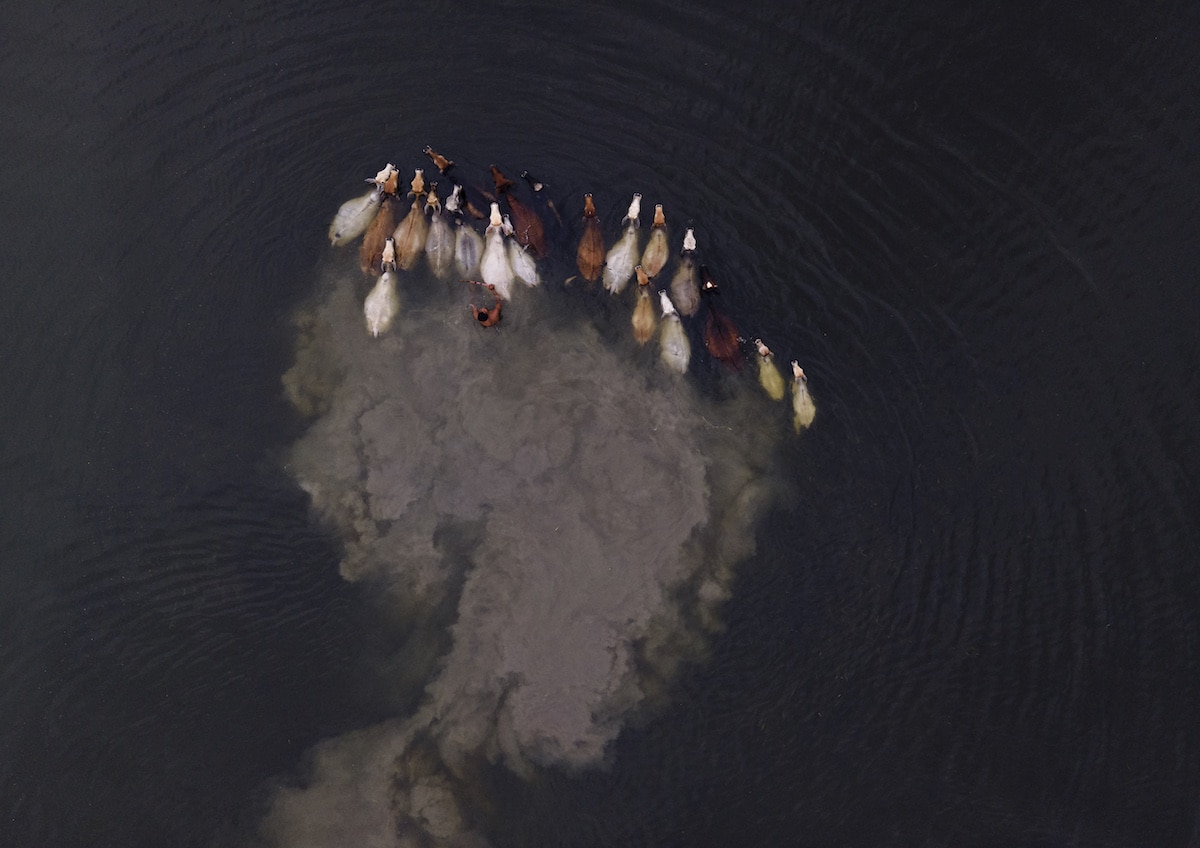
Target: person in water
(486,317)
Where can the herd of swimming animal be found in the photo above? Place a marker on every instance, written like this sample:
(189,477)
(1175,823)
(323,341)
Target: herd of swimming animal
(515,238)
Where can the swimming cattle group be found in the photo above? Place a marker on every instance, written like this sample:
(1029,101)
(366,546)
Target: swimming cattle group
(516,236)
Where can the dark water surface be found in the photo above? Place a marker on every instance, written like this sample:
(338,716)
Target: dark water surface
(974,621)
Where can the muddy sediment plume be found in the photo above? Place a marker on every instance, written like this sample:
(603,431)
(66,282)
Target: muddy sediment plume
(573,508)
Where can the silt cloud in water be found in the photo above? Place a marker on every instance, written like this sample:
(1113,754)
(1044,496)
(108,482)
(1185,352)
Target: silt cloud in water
(579,508)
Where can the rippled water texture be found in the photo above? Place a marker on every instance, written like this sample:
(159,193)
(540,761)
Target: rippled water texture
(969,617)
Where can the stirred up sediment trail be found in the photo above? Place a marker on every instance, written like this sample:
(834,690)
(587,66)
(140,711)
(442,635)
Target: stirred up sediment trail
(580,512)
